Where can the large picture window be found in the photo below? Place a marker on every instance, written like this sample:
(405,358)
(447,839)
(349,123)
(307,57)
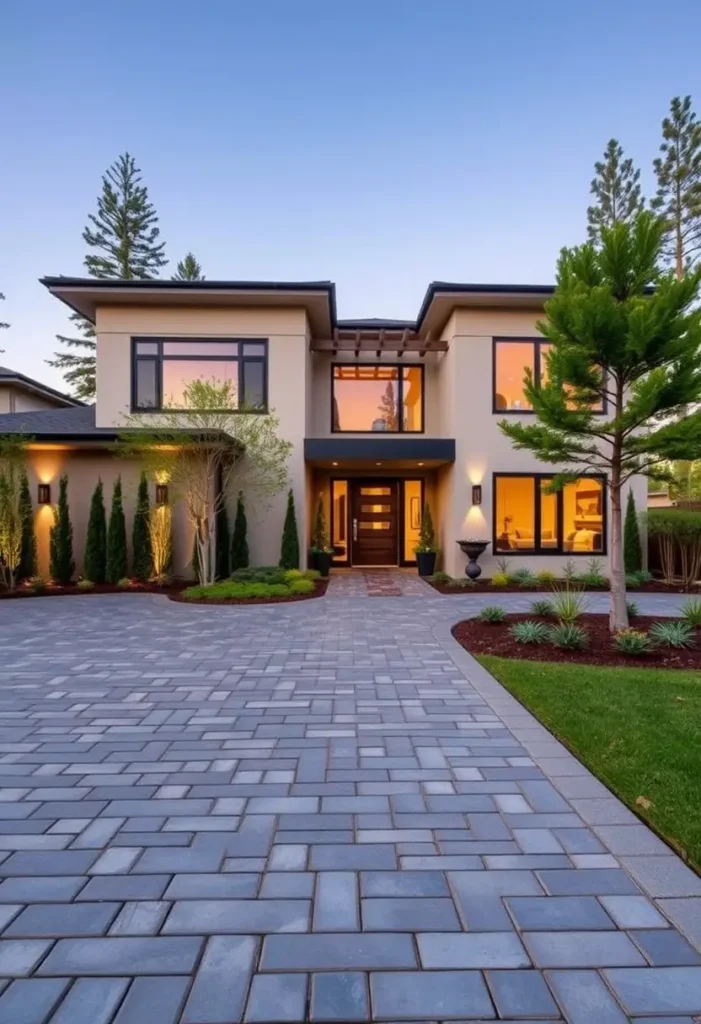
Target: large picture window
(162,368)
(512,356)
(528,518)
(377,399)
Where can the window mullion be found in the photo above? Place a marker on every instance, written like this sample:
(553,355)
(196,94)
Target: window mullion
(400,400)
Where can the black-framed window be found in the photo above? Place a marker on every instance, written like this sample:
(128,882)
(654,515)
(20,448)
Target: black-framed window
(163,367)
(510,358)
(530,519)
(369,398)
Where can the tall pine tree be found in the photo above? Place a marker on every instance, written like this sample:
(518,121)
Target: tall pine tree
(95,561)
(678,198)
(28,555)
(140,535)
(123,236)
(617,190)
(61,564)
(117,538)
(239,541)
(188,269)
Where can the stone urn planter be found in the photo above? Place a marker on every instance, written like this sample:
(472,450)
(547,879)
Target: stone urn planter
(473,549)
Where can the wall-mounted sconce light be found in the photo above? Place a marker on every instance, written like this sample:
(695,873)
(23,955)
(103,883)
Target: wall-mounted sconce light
(161,494)
(44,495)
(476,494)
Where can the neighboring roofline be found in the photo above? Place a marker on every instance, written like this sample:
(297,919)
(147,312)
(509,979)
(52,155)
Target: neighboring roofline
(36,387)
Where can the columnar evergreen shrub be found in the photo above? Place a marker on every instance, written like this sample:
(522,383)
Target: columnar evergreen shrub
(632,548)
(289,555)
(61,538)
(117,538)
(28,551)
(140,536)
(95,561)
(239,541)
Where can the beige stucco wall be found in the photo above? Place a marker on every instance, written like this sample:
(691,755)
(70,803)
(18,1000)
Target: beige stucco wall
(465,389)
(14,399)
(83,469)
(288,361)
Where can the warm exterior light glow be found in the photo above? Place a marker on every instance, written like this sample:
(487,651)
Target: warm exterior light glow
(44,494)
(476,494)
(334,463)
(162,476)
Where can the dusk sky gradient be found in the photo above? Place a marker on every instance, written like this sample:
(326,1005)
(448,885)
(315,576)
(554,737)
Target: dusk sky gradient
(379,143)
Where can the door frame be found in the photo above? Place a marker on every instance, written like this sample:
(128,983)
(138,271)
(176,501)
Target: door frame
(355,480)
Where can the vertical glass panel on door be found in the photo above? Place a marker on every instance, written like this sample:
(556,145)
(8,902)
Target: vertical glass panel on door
(412,518)
(339,516)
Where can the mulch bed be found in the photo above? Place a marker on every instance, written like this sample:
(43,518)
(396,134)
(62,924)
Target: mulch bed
(319,591)
(482,638)
(485,587)
(71,590)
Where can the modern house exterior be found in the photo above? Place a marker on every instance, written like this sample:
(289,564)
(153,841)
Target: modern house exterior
(383,415)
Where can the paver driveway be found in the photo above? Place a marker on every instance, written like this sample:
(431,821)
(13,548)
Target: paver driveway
(320,811)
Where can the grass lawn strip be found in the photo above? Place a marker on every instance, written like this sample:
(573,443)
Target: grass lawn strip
(639,731)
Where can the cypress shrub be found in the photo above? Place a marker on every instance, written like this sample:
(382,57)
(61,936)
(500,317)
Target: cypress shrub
(117,567)
(289,554)
(223,543)
(95,562)
(239,541)
(140,535)
(632,548)
(28,554)
(61,538)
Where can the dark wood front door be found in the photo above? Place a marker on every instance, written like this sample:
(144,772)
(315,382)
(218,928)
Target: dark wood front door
(374,522)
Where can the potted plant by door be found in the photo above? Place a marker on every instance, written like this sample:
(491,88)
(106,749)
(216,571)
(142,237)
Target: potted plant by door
(427,549)
(321,552)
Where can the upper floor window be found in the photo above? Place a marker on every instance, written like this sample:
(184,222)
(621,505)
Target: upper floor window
(512,356)
(162,368)
(369,398)
(529,518)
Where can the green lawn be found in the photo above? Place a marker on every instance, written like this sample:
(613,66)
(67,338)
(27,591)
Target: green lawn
(639,731)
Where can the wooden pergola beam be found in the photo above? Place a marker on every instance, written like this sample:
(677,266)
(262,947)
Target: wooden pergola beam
(419,345)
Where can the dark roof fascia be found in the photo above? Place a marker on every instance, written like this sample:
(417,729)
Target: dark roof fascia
(38,387)
(375,323)
(157,284)
(449,287)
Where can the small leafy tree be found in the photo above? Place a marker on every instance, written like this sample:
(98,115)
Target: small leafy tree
(223,543)
(678,197)
(95,561)
(117,567)
(28,555)
(61,564)
(12,473)
(617,190)
(289,552)
(188,269)
(207,445)
(140,535)
(427,533)
(614,339)
(160,527)
(632,548)
(239,540)
(320,533)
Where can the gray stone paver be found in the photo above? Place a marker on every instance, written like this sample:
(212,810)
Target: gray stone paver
(213,815)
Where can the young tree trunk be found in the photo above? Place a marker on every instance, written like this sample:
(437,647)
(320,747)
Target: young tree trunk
(618,618)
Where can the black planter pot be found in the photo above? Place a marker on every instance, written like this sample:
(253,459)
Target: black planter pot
(321,561)
(426,562)
(473,549)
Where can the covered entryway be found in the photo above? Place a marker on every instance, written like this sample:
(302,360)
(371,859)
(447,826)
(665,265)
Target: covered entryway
(375,522)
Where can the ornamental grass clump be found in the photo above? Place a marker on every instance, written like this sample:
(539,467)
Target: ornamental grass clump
(568,636)
(492,614)
(569,603)
(529,632)
(544,608)
(633,642)
(679,635)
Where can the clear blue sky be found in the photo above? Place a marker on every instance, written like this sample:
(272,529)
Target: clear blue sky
(379,143)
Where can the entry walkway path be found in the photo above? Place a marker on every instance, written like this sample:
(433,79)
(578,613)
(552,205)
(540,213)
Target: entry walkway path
(315,811)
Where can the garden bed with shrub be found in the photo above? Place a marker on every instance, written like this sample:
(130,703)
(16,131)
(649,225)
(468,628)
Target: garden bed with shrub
(41,587)
(588,575)
(267,585)
(570,633)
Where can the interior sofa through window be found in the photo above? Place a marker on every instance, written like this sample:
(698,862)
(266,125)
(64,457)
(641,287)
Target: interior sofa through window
(528,517)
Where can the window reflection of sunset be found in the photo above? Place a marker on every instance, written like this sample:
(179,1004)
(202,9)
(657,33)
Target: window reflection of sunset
(366,398)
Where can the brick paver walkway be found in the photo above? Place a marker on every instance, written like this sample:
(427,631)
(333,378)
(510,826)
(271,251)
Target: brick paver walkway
(322,811)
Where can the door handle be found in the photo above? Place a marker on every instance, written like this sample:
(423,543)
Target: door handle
(355,529)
